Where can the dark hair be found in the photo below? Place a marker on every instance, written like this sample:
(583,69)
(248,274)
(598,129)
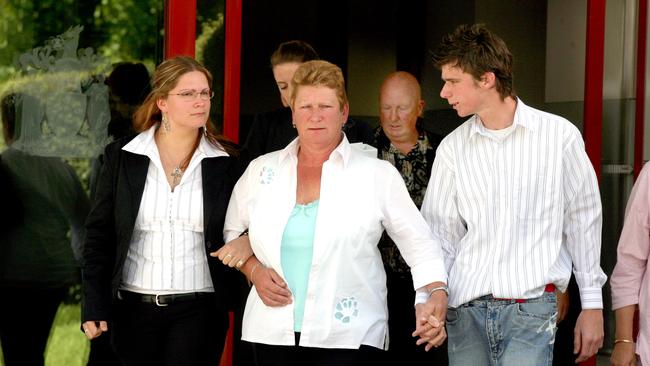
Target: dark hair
(476,50)
(130,81)
(293,51)
(163,80)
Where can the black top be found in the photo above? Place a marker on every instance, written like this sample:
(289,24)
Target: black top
(274,130)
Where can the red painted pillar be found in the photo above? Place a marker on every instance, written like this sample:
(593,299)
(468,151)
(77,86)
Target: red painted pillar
(232,69)
(180,28)
(593,105)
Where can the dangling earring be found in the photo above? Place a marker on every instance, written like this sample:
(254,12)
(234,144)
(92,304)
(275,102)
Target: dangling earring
(205,130)
(293,124)
(167,127)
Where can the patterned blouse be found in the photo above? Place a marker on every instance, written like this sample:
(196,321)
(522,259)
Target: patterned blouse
(414,168)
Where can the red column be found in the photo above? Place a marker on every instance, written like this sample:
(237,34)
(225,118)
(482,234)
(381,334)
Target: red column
(180,28)
(593,106)
(232,69)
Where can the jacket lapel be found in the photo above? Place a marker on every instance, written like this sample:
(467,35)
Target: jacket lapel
(136,167)
(212,173)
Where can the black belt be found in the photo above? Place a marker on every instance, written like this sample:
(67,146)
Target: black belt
(162,300)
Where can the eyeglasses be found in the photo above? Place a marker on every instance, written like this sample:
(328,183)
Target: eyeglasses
(190,95)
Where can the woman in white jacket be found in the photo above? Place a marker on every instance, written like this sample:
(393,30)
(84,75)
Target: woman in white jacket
(315,212)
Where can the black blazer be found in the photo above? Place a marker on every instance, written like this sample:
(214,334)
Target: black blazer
(112,219)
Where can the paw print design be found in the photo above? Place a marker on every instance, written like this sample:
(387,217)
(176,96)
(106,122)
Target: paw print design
(266,175)
(346,309)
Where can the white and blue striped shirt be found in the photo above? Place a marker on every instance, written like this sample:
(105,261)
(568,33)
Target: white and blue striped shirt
(167,251)
(516,213)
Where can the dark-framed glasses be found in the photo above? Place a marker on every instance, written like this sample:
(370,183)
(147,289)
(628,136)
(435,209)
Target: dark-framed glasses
(190,95)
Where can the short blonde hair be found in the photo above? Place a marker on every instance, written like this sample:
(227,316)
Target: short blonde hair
(320,73)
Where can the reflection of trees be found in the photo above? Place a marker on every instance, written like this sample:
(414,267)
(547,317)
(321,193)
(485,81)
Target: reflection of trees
(210,50)
(117,29)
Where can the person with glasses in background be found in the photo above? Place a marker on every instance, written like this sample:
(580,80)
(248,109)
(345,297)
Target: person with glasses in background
(158,211)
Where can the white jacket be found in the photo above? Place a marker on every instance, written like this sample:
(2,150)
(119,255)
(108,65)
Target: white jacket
(360,196)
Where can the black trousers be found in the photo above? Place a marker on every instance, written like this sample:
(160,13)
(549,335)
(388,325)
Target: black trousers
(101,352)
(401,325)
(268,355)
(26,316)
(183,333)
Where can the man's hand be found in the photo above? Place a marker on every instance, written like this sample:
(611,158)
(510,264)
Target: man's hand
(92,330)
(563,303)
(588,334)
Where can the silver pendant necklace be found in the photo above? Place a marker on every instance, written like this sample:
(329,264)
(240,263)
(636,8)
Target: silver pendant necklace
(176,174)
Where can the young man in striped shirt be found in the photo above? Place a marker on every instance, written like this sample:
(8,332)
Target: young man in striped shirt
(515,202)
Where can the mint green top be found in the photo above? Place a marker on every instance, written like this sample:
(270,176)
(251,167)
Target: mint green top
(296,253)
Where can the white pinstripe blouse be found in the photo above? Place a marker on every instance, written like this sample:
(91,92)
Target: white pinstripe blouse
(518,212)
(167,251)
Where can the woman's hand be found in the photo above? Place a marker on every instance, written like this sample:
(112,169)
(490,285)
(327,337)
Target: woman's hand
(270,287)
(623,354)
(235,252)
(93,331)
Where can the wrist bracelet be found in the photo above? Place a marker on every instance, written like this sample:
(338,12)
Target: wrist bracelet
(439,288)
(623,341)
(253,270)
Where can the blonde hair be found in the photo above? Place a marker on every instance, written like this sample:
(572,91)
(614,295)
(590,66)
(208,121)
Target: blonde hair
(320,73)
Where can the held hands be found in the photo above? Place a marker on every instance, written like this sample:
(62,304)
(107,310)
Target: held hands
(92,330)
(235,252)
(588,334)
(430,320)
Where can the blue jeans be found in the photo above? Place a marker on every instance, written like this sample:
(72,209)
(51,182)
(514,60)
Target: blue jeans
(489,332)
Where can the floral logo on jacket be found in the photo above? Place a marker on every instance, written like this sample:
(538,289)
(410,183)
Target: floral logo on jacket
(266,175)
(346,309)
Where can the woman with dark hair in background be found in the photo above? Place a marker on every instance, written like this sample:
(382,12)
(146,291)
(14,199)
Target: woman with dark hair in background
(273,130)
(158,211)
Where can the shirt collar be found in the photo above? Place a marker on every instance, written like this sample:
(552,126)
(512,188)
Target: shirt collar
(145,144)
(521,119)
(341,153)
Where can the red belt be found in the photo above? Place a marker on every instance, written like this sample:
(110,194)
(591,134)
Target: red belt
(548,288)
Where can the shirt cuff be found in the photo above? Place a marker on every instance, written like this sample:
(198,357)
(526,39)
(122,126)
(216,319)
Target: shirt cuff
(591,298)
(425,274)
(421,296)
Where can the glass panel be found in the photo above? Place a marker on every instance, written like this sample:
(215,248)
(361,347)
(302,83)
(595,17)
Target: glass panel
(210,46)
(71,74)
